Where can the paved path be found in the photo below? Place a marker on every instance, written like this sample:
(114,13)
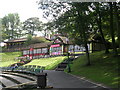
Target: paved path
(60,79)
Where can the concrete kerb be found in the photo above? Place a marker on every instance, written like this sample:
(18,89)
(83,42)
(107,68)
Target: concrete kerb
(83,78)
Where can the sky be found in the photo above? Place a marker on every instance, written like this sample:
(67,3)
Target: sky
(25,9)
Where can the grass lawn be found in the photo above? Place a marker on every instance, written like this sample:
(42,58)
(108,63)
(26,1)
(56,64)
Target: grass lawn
(8,58)
(79,52)
(103,69)
(48,63)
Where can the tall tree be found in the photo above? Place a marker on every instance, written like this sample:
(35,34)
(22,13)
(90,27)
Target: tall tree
(117,21)
(5,27)
(98,11)
(31,25)
(48,28)
(112,32)
(10,24)
(83,22)
(75,21)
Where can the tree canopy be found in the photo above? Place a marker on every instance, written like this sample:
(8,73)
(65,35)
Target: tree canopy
(31,25)
(10,26)
(13,28)
(81,20)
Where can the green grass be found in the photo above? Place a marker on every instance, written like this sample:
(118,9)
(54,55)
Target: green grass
(8,58)
(79,52)
(103,69)
(48,63)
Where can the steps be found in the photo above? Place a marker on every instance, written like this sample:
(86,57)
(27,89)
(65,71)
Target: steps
(62,66)
(12,80)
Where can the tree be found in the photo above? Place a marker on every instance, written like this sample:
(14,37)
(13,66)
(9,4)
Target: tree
(82,20)
(83,24)
(29,38)
(53,8)
(117,21)
(112,32)
(75,22)
(5,27)
(31,25)
(98,16)
(48,28)
(1,39)
(10,25)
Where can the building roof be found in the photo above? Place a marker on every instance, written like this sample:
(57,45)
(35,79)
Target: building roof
(16,40)
(39,45)
(65,40)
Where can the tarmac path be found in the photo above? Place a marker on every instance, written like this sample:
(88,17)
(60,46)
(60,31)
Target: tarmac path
(60,79)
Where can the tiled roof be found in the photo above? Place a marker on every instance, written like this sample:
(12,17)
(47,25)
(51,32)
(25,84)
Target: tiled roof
(65,39)
(16,40)
(39,45)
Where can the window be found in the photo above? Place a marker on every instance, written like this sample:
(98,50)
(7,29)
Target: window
(34,51)
(25,52)
(38,50)
(44,50)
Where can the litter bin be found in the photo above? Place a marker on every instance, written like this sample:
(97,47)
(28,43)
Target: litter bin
(41,80)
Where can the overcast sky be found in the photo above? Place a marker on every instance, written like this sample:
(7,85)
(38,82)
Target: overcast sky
(25,9)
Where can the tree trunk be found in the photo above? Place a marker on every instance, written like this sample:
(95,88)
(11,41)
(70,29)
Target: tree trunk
(112,30)
(86,47)
(12,29)
(117,22)
(33,30)
(87,54)
(101,32)
(12,34)
(84,28)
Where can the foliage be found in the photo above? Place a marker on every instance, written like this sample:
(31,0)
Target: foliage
(53,8)
(31,25)
(38,40)
(29,38)
(11,26)
(33,40)
(81,20)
